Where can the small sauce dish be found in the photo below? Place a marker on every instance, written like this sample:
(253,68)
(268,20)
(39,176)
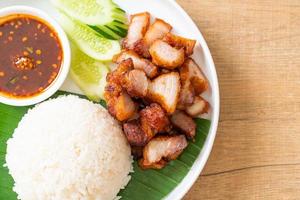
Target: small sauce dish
(35,56)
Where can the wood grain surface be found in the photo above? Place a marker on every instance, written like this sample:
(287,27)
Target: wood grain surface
(256,48)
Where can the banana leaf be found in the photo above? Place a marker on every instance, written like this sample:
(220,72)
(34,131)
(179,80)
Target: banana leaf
(144,184)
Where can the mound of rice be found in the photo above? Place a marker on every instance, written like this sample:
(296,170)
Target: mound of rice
(68,148)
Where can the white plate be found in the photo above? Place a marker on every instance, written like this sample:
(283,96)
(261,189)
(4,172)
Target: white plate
(170,11)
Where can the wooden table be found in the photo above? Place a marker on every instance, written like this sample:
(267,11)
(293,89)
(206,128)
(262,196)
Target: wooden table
(256,48)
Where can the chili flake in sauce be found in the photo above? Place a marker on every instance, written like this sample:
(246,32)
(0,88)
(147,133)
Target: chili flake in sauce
(30,55)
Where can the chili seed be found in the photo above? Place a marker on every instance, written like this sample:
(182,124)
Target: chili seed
(30,49)
(38,62)
(2,74)
(54,66)
(24,39)
(38,52)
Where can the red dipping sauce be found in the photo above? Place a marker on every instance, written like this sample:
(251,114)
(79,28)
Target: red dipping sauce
(30,56)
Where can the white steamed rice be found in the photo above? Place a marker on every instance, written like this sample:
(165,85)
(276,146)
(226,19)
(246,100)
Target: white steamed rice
(67,149)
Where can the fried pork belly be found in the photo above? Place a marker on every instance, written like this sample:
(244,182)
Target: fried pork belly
(138,63)
(136,83)
(180,43)
(134,133)
(113,88)
(165,91)
(120,106)
(137,28)
(184,123)
(193,83)
(162,149)
(156,31)
(191,70)
(165,55)
(186,95)
(124,107)
(199,106)
(119,103)
(118,74)
(154,120)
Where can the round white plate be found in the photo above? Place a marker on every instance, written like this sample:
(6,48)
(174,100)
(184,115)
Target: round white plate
(182,24)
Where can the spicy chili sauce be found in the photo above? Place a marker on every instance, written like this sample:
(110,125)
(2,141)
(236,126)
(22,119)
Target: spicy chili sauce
(30,55)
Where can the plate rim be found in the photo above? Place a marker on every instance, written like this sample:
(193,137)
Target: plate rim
(190,178)
(188,181)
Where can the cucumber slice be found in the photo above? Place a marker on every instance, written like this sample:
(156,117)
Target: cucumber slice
(88,40)
(121,32)
(91,12)
(102,33)
(104,29)
(112,31)
(88,74)
(119,25)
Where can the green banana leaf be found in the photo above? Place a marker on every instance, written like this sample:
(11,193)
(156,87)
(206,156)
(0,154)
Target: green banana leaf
(145,184)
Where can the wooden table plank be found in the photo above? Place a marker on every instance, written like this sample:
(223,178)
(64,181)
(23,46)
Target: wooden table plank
(256,48)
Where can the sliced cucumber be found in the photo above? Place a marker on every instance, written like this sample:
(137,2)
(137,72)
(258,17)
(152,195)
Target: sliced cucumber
(89,74)
(104,30)
(122,32)
(112,31)
(89,41)
(119,24)
(92,12)
(117,31)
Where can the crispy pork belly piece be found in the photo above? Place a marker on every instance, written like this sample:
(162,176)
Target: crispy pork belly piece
(195,75)
(136,83)
(134,133)
(137,28)
(184,123)
(112,91)
(124,107)
(193,83)
(154,120)
(118,74)
(156,31)
(165,91)
(186,95)
(162,149)
(165,55)
(120,106)
(181,42)
(199,106)
(138,63)
(119,103)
